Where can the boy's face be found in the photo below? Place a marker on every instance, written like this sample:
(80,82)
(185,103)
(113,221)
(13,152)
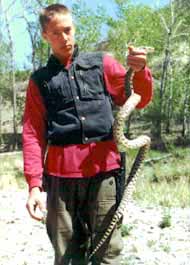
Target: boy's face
(59,33)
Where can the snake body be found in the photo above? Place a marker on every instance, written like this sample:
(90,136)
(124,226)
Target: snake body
(142,142)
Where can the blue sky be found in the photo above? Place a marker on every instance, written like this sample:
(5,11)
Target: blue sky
(21,38)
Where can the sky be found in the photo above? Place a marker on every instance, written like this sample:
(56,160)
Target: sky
(22,47)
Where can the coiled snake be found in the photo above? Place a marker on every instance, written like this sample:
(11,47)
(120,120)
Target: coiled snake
(142,142)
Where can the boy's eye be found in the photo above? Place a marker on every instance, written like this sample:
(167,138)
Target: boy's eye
(66,30)
(58,33)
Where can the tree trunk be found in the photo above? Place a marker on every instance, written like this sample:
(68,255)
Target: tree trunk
(185,114)
(170,102)
(12,79)
(163,87)
(1,103)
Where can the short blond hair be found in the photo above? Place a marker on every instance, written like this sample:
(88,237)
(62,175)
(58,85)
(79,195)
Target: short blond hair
(49,12)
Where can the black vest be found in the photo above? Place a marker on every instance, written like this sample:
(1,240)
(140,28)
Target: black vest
(78,106)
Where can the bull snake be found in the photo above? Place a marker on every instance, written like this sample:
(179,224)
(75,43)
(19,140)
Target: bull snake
(142,142)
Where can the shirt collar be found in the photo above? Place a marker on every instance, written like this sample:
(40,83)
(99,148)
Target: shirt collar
(54,62)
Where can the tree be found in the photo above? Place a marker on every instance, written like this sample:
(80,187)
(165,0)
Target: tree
(136,25)
(12,71)
(175,35)
(88,25)
(4,87)
(166,29)
(128,28)
(30,15)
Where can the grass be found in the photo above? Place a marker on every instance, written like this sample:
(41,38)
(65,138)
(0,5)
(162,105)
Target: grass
(165,182)
(166,220)
(126,230)
(11,170)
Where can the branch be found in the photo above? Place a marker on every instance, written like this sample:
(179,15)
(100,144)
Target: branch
(179,35)
(177,26)
(39,2)
(164,23)
(155,159)
(9,6)
(172,12)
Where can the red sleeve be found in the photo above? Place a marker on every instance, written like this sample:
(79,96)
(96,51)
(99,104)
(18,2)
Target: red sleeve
(114,76)
(143,85)
(33,136)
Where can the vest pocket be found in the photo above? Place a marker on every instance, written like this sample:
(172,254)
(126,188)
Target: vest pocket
(91,84)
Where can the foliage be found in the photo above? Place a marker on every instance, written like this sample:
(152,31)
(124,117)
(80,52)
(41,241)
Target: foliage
(166,220)
(88,25)
(164,29)
(22,75)
(4,64)
(125,230)
(30,16)
(136,25)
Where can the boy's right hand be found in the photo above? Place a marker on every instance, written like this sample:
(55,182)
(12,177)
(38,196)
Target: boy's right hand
(35,204)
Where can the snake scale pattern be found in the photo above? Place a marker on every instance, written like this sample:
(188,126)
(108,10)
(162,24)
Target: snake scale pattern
(142,143)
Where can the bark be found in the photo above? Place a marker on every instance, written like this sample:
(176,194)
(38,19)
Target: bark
(163,86)
(33,34)
(169,110)
(12,79)
(1,139)
(185,122)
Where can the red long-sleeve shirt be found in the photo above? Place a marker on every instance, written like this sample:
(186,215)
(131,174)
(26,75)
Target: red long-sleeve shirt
(81,160)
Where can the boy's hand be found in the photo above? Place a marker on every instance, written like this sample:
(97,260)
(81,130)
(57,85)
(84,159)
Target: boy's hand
(136,58)
(35,204)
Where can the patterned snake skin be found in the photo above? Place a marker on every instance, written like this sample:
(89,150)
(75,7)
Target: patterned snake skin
(142,142)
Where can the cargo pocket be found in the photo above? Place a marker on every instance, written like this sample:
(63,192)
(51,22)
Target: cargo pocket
(109,252)
(106,204)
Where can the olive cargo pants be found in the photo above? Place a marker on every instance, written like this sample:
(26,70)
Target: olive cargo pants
(79,211)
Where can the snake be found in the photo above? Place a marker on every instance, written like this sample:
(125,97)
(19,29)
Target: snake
(142,143)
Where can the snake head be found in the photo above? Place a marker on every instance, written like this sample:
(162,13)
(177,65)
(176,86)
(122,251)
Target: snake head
(140,49)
